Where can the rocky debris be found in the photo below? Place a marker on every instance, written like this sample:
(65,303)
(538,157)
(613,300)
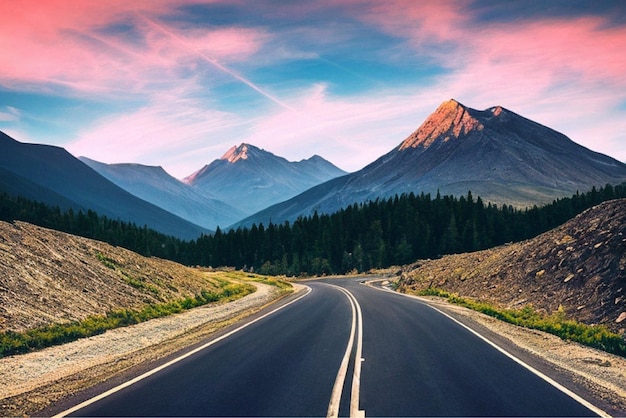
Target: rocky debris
(579,266)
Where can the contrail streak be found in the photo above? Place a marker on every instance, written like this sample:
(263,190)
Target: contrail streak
(217,64)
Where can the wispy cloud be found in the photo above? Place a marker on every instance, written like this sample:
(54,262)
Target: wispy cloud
(168,129)
(9,114)
(75,46)
(348,80)
(208,58)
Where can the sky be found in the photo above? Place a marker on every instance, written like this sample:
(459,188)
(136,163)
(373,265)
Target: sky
(176,83)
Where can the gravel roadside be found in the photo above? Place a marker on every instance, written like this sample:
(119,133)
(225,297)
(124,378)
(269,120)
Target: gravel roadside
(33,381)
(600,374)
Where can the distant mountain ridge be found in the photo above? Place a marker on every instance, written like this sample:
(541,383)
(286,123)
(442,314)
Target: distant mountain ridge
(497,154)
(52,175)
(252,179)
(156,186)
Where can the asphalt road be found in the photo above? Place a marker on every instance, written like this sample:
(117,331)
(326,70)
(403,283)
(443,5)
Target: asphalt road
(345,349)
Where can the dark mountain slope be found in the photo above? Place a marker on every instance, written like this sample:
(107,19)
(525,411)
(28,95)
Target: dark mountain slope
(252,179)
(155,185)
(16,185)
(63,179)
(500,156)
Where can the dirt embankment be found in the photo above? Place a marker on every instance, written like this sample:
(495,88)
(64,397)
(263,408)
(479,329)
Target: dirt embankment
(49,277)
(35,381)
(580,266)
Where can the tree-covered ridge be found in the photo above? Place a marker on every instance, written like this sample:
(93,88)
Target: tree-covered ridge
(375,234)
(89,224)
(388,232)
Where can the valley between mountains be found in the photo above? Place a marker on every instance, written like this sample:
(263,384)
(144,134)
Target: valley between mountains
(495,153)
(483,206)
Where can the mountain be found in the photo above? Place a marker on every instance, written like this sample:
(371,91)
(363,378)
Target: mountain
(52,175)
(155,185)
(578,267)
(252,179)
(496,154)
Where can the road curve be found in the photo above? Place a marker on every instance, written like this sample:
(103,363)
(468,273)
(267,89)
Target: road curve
(419,362)
(283,365)
(399,357)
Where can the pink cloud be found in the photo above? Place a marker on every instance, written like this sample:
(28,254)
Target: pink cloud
(547,50)
(551,52)
(66,43)
(422,22)
(565,73)
(350,132)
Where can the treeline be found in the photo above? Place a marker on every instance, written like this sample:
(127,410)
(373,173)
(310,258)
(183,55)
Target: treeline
(89,224)
(375,234)
(387,232)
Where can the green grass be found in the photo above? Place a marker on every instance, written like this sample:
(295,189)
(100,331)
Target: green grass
(272,281)
(137,283)
(21,342)
(109,262)
(597,336)
(283,285)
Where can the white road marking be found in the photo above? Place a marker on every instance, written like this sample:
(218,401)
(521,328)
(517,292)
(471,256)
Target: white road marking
(335,399)
(356,378)
(176,360)
(527,366)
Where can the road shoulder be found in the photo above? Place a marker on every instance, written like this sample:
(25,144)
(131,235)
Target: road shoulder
(597,376)
(43,378)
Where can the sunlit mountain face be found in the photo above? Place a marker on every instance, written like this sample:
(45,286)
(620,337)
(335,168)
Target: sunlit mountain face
(495,153)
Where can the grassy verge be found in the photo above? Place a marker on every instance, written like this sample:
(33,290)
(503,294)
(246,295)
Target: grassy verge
(237,275)
(597,336)
(283,285)
(21,342)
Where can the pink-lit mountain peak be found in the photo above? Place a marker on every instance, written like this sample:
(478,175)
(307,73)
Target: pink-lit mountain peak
(236,153)
(449,121)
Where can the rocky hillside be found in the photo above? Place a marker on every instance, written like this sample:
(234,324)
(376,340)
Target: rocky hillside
(580,266)
(50,277)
